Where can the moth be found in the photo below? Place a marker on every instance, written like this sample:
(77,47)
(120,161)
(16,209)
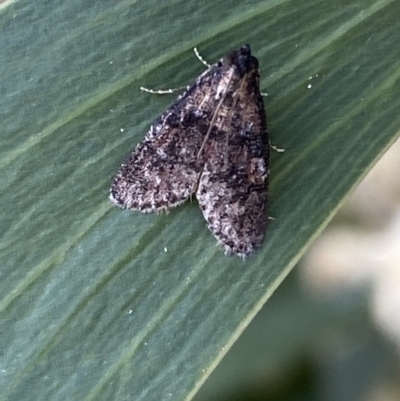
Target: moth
(211,143)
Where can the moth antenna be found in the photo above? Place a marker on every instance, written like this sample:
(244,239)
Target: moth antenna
(162,91)
(196,52)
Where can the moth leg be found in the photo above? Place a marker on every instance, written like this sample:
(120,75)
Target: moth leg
(278,150)
(273,147)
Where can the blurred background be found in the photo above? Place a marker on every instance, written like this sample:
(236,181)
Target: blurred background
(331,331)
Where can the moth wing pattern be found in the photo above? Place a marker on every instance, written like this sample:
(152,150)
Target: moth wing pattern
(211,142)
(232,191)
(163,170)
(150,180)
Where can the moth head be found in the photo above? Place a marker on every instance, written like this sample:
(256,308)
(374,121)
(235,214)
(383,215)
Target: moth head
(242,59)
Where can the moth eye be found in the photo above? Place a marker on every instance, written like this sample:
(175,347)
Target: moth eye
(219,64)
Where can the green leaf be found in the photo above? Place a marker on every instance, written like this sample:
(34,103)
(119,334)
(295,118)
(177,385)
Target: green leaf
(103,304)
